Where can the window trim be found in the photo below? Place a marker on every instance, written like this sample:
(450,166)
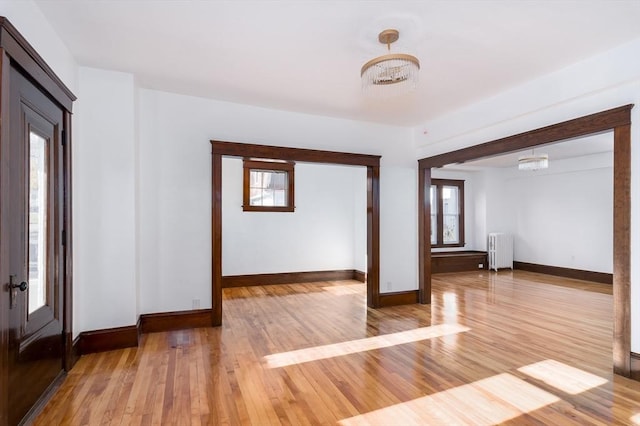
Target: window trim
(439,183)
(253,164)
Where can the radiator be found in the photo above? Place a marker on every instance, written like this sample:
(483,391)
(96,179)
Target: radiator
(500,251)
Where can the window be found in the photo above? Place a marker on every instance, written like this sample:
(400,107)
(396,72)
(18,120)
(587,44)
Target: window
(447,213)
(268,186)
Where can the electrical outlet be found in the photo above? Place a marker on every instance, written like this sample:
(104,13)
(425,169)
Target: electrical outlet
(480,265)
(195,304)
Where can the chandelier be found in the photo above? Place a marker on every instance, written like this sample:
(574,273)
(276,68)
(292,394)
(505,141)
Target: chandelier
(390,74)
(533,162)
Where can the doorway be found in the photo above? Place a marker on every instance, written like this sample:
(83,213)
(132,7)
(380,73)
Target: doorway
(233,149)
(618,120)
(35,237)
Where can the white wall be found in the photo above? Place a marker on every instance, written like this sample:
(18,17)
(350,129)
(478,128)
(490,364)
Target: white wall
(564,215)
(104,202)
(605,81)
(318,236)
(28,19)
(175,190)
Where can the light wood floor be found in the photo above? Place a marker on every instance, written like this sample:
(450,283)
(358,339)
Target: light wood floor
(514,347)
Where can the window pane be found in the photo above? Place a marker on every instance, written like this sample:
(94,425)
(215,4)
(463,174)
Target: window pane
(450,231)
(268,188)
(434,229)
(37,221)
(450,200)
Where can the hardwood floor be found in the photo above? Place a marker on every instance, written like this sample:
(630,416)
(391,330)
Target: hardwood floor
(509,348)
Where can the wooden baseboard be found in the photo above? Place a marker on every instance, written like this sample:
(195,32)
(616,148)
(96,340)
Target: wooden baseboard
(398,298)
(635,366)
(230,281)
(167,321)
(108,339)
(578,274)
(360,276)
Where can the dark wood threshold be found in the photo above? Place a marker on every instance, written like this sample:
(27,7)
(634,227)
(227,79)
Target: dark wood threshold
(635,366)
(36,408)
(578,274)
(168,321)
(230,281)
(398,298)
(108,339)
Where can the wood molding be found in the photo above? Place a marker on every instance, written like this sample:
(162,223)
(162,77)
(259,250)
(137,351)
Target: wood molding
(458,261)
(582,126)
(35,410)
(398,298)
(21,51)
(230,281)
(635,366)
(616,119)
(108,339)
(167,321)
(558,271)
(236,149)
(360,276)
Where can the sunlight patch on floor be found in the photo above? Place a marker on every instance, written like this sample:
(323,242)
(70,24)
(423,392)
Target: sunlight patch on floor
(488,401)
(361,345)
(635,420)
(341,290)
(561,376)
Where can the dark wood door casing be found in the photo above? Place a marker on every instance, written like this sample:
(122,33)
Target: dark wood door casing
(234,149)
(17,54)
(616,119)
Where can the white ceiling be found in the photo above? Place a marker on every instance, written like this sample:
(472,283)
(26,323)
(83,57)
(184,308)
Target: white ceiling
(306,56)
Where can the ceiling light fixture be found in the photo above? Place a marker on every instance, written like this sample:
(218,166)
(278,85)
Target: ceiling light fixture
(390,74)
(533,162)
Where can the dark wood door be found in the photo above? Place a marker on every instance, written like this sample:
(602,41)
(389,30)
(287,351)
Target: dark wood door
(35,208)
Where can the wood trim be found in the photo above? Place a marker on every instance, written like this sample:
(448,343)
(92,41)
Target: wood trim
(230,281)
(359,276)
(439,183)
(4,241)
(618,119)
(372,162)
(20,51)
(398,298)
(167,321)
(69,357)
(424,236)
(622,250)
(582,126)
(288,167)
(236,149)
(373,236)
(635,366)
(108,339)
(558,271)
(216,240)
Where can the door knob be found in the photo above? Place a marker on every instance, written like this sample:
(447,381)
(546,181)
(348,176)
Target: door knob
(13,290)
(22,286)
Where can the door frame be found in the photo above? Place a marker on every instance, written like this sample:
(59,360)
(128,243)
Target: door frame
(234,149)
(616,119)
(15,51)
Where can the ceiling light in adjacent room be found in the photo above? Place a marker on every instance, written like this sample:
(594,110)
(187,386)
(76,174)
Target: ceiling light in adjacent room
(390,74)
(533,162)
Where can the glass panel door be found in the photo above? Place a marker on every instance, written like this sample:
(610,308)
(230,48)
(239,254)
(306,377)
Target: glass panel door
(37,222)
